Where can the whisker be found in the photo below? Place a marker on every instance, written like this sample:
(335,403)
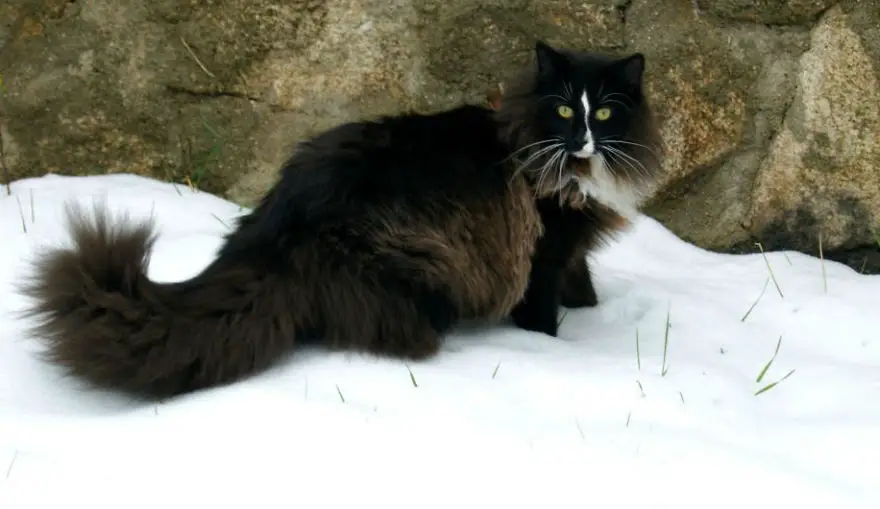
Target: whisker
(615,101)
(537,155)
(547,168)
(640,170)
(553,96)
(625,142)
(613,94)
(517,151)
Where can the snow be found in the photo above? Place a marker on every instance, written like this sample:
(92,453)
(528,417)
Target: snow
(501,418)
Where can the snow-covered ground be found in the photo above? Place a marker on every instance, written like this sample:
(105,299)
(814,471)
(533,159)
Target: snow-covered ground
(501,418)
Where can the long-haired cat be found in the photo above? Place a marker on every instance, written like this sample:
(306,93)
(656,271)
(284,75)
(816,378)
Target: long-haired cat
(379,237)
(586,139)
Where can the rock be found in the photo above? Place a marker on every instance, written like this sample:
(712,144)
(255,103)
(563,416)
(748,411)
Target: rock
(769,109)
(720,94)
(821,175)
(768,12)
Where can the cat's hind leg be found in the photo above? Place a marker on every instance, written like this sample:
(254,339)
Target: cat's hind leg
(387,318)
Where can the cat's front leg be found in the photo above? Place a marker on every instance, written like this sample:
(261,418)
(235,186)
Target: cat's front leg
(538,311)
(577,285)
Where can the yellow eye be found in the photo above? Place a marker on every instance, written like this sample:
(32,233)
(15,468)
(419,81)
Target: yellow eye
(603,113)
(565,111)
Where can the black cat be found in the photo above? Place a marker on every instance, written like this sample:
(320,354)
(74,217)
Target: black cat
(379,237)
(589,145)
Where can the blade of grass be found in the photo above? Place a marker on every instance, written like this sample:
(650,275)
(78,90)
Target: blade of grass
(774,384)
(770,269)
(11,463)
(218,219)
(495,371)
(196,58)
(665,368)
(822,262)
(21,215)
(752,307)
(562,318)
(638,351)
(412,377)
(770,362)
(338,391)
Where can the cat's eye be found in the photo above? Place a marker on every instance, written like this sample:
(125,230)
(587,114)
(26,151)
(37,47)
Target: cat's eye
(603,113)
(565,111)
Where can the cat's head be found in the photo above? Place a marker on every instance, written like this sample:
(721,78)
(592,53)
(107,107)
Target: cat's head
(583,118)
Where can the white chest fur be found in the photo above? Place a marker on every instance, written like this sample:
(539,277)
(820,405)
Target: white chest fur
(620,196)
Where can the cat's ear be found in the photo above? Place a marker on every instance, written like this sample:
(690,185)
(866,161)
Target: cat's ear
(549,60)
(631,69)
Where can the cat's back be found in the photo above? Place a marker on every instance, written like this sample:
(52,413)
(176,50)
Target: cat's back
(456,150)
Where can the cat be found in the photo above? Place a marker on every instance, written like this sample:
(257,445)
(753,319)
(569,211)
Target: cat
(588,142)
(379,236)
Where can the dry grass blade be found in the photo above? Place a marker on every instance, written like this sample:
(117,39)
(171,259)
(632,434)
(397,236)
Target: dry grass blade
(822,262)
(562,318)
(664,369)
(338,391)
(770,269)
(412,377)
(580,430)
(196,58)
(752,307)
(495,371)
(21,215)
(641,389)
(638,351)
(224,223)
(11,463)
(628,418)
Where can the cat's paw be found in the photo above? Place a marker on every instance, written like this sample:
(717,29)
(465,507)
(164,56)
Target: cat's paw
(535,321)
(579,296)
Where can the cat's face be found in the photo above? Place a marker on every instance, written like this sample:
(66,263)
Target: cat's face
(583,119)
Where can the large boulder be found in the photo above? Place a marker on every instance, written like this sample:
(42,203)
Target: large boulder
(769,109)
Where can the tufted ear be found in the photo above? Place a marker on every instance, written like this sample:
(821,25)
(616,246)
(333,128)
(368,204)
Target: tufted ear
(631,69)
(549,60)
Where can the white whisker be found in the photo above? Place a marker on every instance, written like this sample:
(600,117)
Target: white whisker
(526,147)
(612,94)
(625,142)
(536,156)
(627,158)
(615,101)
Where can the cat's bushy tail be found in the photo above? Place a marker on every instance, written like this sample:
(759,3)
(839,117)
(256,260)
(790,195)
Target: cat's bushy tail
(105,322)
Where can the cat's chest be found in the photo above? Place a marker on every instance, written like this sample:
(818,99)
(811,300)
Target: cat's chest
(622,195)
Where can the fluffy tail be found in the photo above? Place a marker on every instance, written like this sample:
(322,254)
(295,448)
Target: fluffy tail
(107,323)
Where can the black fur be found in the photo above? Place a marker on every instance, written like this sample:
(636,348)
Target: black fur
(379,237)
